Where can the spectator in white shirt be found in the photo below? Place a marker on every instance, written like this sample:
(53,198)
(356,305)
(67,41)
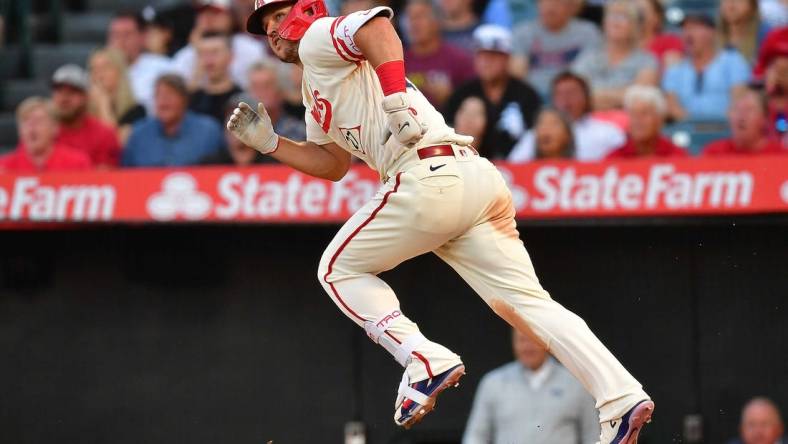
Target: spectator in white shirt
(532,400)
(216,17)
(127,35)
(594,138)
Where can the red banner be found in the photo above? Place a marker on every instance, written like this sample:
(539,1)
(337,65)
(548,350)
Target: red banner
(281,195)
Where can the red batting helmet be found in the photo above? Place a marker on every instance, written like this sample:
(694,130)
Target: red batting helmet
(293,27)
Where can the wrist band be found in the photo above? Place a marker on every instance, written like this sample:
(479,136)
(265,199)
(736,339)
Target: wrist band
(392,76)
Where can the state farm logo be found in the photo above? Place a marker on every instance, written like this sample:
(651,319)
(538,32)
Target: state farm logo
(519,194)
(784,191)
(179,197)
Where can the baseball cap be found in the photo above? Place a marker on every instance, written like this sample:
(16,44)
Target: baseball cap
(775,45)
(71,75)
(223,5)
(493,38)
(699,17)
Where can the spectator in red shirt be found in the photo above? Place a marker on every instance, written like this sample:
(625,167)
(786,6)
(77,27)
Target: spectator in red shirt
(667,48)
(647,109)
(37,151)
(772,69)
(434,66)
(747,120)
(78,129)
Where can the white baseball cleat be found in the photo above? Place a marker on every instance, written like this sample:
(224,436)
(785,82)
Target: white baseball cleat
(626,429)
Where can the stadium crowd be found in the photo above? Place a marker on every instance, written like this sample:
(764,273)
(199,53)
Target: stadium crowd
(529,79)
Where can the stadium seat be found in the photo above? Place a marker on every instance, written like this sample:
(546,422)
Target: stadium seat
(91,28)
(118,5)
(8,135)
(15,91)
(48,58)
(693,136)
(11,66)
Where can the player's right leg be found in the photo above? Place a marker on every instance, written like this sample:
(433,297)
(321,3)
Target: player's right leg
(491,257)
(380,236)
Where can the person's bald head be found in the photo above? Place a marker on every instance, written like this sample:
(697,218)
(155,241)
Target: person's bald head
(760,422)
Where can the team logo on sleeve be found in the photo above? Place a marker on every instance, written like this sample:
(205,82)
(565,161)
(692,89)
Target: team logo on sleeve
(353,138)
(321,111)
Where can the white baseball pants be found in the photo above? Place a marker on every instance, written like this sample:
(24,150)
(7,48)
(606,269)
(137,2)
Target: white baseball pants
(461,209)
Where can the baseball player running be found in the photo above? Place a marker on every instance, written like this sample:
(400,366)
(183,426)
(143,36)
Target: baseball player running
(437,195)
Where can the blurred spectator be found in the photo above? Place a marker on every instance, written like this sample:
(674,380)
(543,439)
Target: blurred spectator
(532,400)
(741,27)
(594,138)
(774,12)
(761,423)
(159,34)
(236,153)
(459,22)
(126,34)
(37,150)
(521,11)
(110,96)
(471,120)
(699,87)
(646,108)
(772,69)
(748,119)
(175,136)
(351,6)
(620,62)
(549,45)
(499,12)
(215,17)
(291,90)
(242,9)
(434,66)
(264,87)
(512,104)
(590,10)
(78,129)
(552,137)
(667,48)
(214,56)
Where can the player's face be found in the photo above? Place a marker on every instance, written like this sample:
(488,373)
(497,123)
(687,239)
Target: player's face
(285,50)
(527,351)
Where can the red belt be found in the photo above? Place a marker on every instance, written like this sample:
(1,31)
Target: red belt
(435,151)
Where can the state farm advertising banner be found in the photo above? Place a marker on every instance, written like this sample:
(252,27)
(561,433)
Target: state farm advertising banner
(278,194)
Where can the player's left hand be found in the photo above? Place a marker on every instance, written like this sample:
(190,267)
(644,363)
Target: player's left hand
(402,121)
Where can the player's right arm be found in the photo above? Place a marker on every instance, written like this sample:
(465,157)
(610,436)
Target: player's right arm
(326,161)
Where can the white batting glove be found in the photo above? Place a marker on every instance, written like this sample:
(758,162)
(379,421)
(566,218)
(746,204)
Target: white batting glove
(253,128)
(401,121)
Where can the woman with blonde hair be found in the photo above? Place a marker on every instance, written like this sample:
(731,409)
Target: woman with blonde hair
(620,61)
(741,27)
(111,96)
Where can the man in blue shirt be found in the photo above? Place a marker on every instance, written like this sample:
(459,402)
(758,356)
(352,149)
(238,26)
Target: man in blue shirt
(175,136)
(700,86)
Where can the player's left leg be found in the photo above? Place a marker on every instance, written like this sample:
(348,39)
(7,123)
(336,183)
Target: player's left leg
(381,235)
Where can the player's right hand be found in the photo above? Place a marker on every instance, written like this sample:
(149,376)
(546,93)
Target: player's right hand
(402,121)
(253,128)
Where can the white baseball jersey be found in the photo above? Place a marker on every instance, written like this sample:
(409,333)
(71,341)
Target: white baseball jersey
(343,97)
